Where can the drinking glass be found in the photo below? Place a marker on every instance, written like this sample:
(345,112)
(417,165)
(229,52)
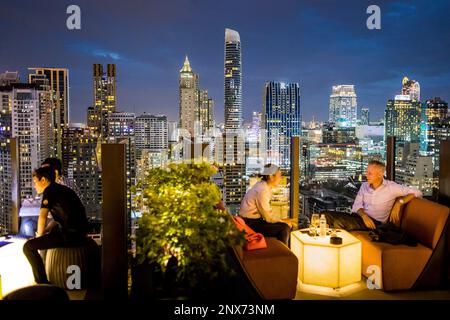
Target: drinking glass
(314,224)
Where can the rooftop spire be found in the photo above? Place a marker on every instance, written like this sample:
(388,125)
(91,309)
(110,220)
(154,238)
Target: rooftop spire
(186,66)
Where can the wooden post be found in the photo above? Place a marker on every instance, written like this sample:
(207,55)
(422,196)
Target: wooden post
(295,178)
(444,173)
(390,158)
(15,169)
(114,212)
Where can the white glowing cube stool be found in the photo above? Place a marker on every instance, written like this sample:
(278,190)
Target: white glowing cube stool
(324,264)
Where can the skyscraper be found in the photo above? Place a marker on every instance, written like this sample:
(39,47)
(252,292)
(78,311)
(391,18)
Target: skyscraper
(151,134)
(413,169)
(343,106)
(104,98)
(59,85)
(120,129)
(46,121)
(233,139)
(120,124)
(233,80)
(188,99)
(205,114)
(7,184)
(402,118)
(411,88)
(81,165)
(433,128)
(365,119)
(281,120)
(25,127)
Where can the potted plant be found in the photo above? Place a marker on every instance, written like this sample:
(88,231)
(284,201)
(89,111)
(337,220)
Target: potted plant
(181,236)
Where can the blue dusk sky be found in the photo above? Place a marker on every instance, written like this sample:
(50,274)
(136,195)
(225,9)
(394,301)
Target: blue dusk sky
(317,43)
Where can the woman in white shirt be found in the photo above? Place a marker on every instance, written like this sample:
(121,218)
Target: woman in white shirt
(255,207)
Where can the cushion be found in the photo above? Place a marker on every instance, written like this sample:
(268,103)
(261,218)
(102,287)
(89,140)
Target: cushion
(400,265)
(272,270)
(424,220)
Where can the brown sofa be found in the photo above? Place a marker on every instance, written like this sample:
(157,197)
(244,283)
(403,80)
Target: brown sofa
(403,267)
(271,271)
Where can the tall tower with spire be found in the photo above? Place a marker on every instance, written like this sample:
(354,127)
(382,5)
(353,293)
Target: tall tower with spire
(188,88)
(234,142)
(233,81)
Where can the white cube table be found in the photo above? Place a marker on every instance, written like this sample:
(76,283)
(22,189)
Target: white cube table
(323,265)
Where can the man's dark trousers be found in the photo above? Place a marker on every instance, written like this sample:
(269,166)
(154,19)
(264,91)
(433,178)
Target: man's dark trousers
(55,239)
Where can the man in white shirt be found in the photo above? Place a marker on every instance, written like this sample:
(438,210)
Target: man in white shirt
(374,201)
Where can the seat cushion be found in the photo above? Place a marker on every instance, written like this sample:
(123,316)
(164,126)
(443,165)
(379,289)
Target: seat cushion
(60,264)
(400,265)
(272,270)
(424,220)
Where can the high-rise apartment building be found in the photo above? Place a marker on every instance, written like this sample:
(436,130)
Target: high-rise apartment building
(343,106)
(281,120)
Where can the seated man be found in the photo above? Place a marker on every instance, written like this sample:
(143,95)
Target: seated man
(255,207)
(374,202)
(69,227)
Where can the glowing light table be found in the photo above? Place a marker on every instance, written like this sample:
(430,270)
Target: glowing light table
(326,268)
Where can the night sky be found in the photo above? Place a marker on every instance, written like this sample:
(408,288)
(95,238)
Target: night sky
(317,43)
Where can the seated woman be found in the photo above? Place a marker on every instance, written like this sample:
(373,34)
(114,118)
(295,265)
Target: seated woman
(255,207)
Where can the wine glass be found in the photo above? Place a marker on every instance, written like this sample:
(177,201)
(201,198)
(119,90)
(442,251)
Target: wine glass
(314,223)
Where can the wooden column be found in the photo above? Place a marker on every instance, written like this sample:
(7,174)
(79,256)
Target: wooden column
(15,169)
(295,178)
(390,158)
(444,172)
(114,212)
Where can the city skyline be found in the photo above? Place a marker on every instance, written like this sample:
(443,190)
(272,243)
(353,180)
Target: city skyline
(374,61)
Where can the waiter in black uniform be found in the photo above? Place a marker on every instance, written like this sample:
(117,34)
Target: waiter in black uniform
(69,227)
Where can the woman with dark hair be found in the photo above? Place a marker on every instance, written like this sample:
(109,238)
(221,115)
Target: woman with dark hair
(255,207)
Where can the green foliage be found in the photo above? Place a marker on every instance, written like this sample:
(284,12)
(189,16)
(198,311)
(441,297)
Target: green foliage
(179,219)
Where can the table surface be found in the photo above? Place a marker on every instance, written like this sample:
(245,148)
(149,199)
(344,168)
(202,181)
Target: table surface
(306,239)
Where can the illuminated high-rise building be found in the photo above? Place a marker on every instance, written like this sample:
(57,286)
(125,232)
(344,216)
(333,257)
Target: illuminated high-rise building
(281,120)
(411,88)
(205,114)
(120,129)
(59,85)
(402,118)
(234,182)
(188,99)
(7,183)
(24,101)
(151,134)
(343,106)
(104,98)
(46,122)
(233,80)
(81,165)
(434,115)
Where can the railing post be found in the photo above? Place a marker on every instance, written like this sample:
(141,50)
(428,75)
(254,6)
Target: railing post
(295,178)
(390,158)
(114,212)
(444,173)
